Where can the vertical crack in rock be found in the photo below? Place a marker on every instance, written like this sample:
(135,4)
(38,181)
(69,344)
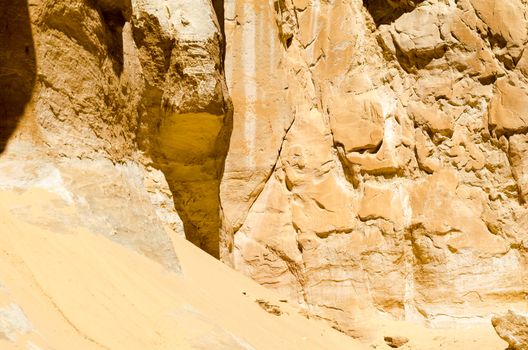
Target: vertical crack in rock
(17,66)
(218,6)
(392,181)
(114,15)
(259,191)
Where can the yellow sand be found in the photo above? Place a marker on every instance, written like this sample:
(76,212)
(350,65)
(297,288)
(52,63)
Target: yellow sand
(82,291)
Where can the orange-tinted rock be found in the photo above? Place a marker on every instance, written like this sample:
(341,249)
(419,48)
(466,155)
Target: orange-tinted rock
(392,191)
(507,113)
(513,328)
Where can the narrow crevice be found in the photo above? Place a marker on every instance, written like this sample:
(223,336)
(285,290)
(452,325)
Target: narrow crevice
(115,21)
(268,176)
(218,6)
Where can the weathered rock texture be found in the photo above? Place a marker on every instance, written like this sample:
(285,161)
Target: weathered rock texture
(372,165)
(120,107)
(513,328)
(377,165)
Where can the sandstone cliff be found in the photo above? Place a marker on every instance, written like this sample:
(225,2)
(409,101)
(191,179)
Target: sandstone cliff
(364,159)
(118,103)
(377,161)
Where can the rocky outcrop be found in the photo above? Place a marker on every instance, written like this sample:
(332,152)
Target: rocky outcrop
(396,342)
(121,108)
(365,158)
(513,328)
(376,165)
(186,120)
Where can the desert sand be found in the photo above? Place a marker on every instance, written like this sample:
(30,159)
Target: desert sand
(83,291)
(347,171)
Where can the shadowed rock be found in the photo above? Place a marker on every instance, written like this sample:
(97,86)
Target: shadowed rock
(513,328)
(17,65)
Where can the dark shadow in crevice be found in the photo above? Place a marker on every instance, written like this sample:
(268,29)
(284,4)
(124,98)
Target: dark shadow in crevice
(383,13)
(415,61)
(218,6)
(17,65)
(115,21)
(115,14)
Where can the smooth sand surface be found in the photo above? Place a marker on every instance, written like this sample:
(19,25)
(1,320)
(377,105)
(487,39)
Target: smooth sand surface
(83,291)
(80,291)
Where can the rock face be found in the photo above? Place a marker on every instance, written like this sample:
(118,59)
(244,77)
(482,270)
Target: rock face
(365,158)
(121,107)
(513,328)
(377,165)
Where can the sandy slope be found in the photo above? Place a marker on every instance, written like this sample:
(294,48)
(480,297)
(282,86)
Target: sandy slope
(83,291)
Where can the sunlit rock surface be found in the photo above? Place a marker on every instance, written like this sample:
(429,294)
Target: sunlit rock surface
(377,163)
(364,159)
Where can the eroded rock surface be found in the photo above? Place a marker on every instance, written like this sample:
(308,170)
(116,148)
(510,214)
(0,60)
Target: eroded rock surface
(377,162)
(513,328)
(121,107)
(371,166)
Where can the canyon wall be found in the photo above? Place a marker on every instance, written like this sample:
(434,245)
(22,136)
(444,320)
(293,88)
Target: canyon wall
(121,108)
(366,159)
(377,166)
